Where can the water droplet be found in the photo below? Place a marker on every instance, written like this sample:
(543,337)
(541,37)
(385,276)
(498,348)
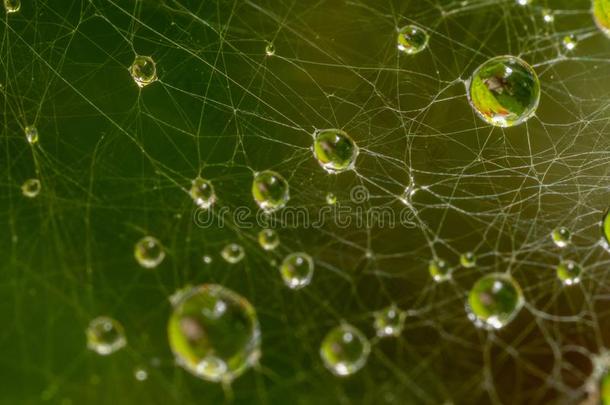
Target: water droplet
(569,272)
(439,270)
(149,252)
(214,333)
(389,321)
(233,253)
(569,42)
(468,260)
(494,300)
(202,193)
(12,6)
(268,239)
(504,91)
(31,134)
(31,188)
(140,374)
(561,236)
(344,350)
(605,227)
(270,190)
(207,259)
(335,150)
(601,15)
(412,39)
(270,49)
(143,70)
(105,335)
(297,270)
(331,199)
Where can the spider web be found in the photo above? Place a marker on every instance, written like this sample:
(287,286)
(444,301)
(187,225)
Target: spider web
(115,163)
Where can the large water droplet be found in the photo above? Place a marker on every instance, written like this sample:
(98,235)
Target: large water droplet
(494,300)
(504,91)
(335,150)
(214,333)
(297,270)
(270,190)
(412,39)
(143,70)
(344,350)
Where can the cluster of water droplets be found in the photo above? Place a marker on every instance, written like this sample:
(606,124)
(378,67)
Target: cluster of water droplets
(214,332)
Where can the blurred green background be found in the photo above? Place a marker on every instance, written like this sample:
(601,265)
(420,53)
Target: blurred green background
(115,163)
